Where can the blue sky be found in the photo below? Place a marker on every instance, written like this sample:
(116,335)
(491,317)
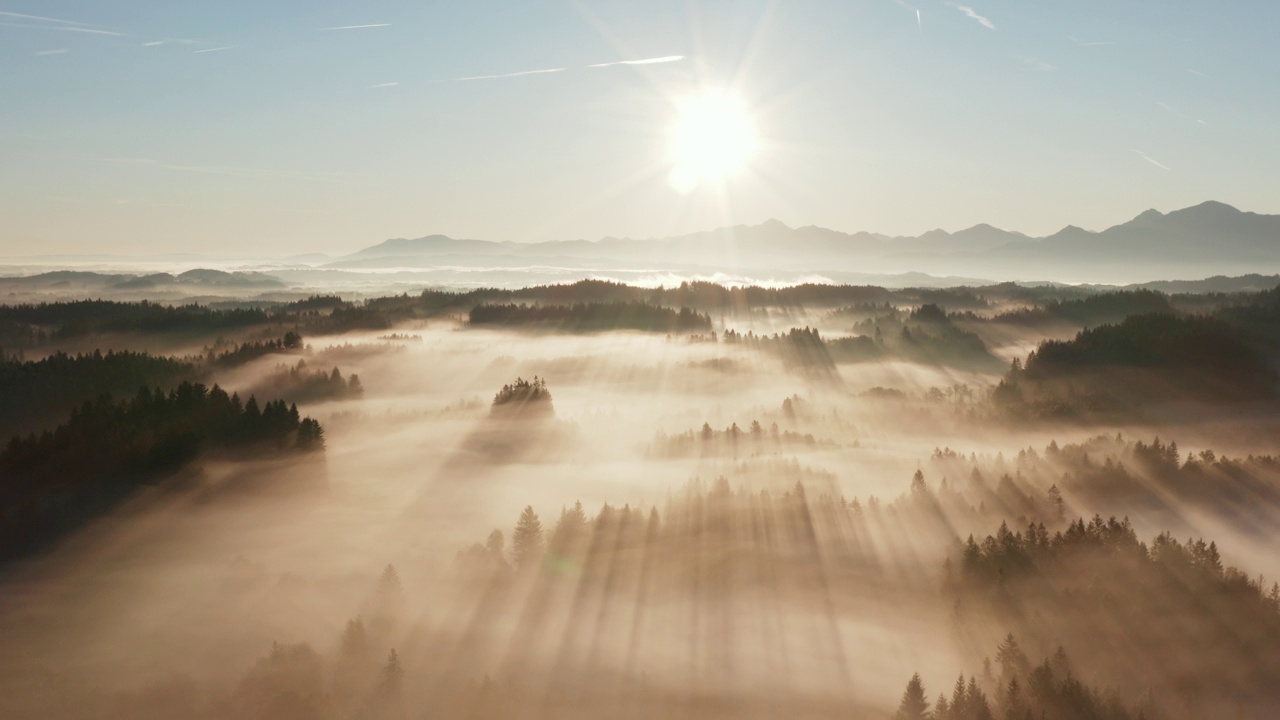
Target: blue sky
(235,127)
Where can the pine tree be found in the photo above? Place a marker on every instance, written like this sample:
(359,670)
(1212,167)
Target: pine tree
(917,484)
(526,541)
(941,708)
(570,527)
(914,706)
(959,699)
(354,639)
(1057,503)
(496,544)
(389,582)
(1013,662)
(392,675)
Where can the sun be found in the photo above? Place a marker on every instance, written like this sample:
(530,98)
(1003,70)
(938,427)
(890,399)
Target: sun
(713,139)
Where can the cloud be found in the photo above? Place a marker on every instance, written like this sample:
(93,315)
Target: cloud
(509,75)
(175,41)
(1149,159)
(64,28)
(1089,43)
(384,85)
(1199,74)
(642,61)
(1182,115)
(215,49)
(39,18)
(59,51)
(973,14)
(1036,63)
(357,27)
(646,61)
(223,169)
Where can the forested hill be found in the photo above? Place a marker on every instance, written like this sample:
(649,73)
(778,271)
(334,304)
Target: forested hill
(36,393)
(1157,357)
(52,482)
(586,317)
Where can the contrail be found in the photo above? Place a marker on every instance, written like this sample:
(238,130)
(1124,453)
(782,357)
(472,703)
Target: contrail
(64,28)
(646,61)
(1149,159)
(509,75)
(40,19)
(357,27)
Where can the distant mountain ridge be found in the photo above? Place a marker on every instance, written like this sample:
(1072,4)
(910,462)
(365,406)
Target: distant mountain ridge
(1210,237)
(198,278)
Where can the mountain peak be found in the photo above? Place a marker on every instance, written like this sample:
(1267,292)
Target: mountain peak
(1070,231)
(1214,205)
(1211,208)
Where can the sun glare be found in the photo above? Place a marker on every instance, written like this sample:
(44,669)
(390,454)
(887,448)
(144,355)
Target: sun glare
(712,139)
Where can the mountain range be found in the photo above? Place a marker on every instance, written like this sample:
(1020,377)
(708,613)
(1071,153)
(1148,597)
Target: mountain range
(1210,238)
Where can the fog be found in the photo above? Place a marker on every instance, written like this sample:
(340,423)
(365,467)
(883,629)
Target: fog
(716,568)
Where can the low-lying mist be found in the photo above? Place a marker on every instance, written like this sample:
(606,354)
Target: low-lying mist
(506,522)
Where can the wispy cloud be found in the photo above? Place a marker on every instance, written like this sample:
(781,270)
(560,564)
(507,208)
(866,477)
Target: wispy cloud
(970,12)
(1089,43)
(1036,63)
(357,27)
(646,61)
(384,85)
(175,41)
(64,28)
(39,18)
(510,75)
(1149,159)
(546,71)
(214,49)
(59,51)
(1199,74)
(1182,115)
(223,169)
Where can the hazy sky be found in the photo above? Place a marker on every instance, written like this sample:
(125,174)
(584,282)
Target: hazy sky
(326,125)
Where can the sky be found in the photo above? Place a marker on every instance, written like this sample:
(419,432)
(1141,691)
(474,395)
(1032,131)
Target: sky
(298,126)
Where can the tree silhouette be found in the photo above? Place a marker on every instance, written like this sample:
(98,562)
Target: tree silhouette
(914,705)
(526,541)
(392,675)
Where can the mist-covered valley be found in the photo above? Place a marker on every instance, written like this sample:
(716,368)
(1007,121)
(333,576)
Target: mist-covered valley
(598,499)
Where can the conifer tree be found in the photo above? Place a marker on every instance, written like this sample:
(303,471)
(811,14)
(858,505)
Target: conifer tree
(526,541)
(914,705)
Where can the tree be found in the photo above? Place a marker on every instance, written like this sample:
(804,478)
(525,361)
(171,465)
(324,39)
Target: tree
(917,484)
(496,544)
(389,582)
(526,541)
(1056,502)
(569,528)
(392,675)
(1013,662)
(914,706)
(310,434)
(354,639)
